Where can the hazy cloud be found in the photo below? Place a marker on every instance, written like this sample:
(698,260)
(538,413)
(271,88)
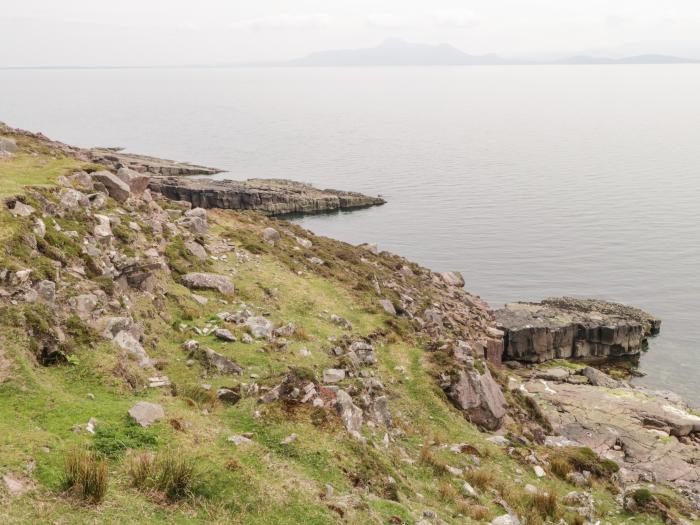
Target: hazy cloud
(456,18)
(284,21)
(390,20)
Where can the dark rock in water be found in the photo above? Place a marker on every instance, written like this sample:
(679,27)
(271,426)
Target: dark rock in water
(573,329)
(269,196)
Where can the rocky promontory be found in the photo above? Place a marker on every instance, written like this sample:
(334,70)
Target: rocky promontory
(115,158)
(268,196)
(567,328)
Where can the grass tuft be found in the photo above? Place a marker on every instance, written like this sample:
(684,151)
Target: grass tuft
(85,475)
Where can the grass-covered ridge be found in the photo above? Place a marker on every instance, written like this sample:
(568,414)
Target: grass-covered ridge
(184,468)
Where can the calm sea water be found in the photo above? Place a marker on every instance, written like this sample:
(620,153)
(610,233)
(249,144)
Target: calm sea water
(531,181)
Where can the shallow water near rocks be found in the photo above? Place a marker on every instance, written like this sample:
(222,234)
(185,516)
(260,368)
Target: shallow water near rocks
(532,181)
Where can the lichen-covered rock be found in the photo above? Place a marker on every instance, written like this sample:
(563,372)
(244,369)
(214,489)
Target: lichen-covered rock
(260,327)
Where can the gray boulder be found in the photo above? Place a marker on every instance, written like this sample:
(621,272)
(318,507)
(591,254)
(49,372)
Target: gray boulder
(137,182)
(260,327)
(197,250)
(209,281)
(598,378)
(116,188)
(333,375)
(21,210)
(212,359)
(145,413)
(224,335)
(270,235)
(452,279)
(7,147)
(127,342)
(350,414)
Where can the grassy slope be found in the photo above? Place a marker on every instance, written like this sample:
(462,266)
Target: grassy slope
(264,482)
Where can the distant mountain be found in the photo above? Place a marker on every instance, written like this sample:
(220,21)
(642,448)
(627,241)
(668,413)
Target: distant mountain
(639,59)
(396,52)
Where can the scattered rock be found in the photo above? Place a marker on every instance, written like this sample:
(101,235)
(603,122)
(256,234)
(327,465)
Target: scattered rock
(21,210)
(137,182)
(333,375)
(239,440)
(145,413)
(215,360)
(196,250)
(224,335)
(126,341)
(480,397)
(289,439)
(539,471)
(388,306)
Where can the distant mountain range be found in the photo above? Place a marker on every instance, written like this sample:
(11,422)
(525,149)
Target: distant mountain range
(396,52)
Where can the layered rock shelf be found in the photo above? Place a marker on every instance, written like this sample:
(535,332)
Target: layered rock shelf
(115,158)
(567,328)
(268,196)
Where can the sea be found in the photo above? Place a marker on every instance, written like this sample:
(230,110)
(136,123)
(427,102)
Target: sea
(533,181)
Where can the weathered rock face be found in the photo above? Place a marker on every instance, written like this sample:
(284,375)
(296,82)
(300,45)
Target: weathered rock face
(116,159)
(573,329)
(7,147)
(269,196)
(651,435)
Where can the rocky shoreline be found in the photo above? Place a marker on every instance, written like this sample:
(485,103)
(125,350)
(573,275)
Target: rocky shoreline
(268,196)
(119,263)
(567,328)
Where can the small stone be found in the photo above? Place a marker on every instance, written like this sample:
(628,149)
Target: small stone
(388,306)
(333,375)
(239,440)
(21,210)
(539,471)
(289,439)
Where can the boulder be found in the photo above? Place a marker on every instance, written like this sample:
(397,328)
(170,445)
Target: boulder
(46,291)
(196,250)
(452,279)
(305,243)
(71,198)
(598,378)
(145,413)
(103,229)
(137,182)
(126,341)
(270,235)
(213,359)
(116,188)
(333,375)
(224,335)
(21,210)
(388,306)
(209,281)
(7,147)
(480,397)
(260,327)
(350,414)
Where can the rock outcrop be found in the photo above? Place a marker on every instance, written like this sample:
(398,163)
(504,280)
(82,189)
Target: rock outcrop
(573,329)
(268,196)
(115,158)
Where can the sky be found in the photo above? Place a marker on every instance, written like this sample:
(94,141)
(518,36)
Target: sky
(181,32)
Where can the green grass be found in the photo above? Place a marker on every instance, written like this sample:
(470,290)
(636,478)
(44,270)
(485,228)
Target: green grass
(23,169)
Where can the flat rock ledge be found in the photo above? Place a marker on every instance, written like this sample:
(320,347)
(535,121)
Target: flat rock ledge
(567,328)
(115,158)
(268,196)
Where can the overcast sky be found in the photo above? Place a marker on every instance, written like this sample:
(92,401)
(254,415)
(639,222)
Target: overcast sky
(176,32)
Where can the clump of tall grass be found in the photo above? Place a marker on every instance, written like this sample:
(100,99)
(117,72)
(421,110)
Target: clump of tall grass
(173,474)
(86,475)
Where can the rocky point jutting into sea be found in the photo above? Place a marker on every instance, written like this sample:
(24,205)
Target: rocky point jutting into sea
(367,387)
